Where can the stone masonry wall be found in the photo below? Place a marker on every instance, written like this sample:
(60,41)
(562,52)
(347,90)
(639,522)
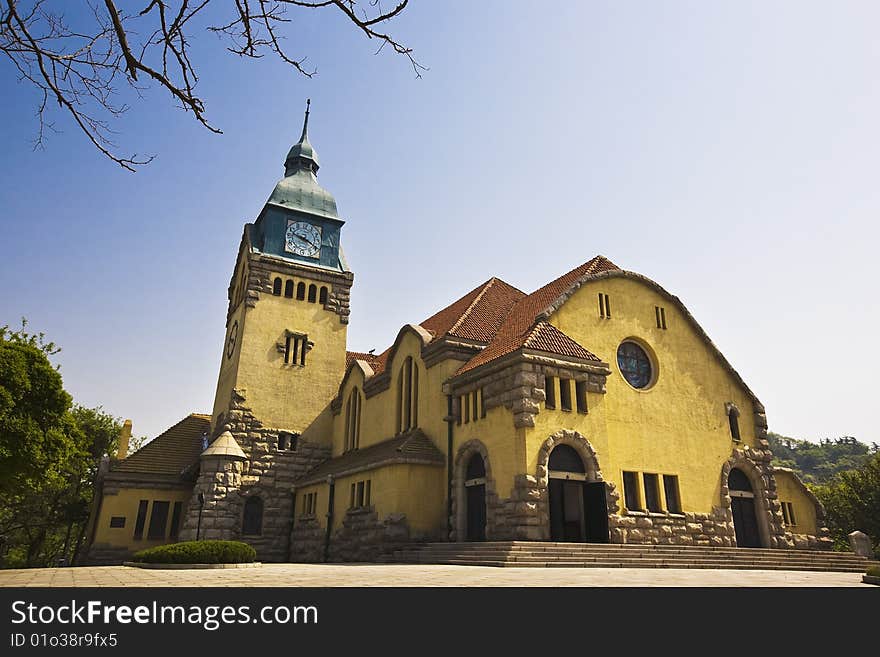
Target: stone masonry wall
(361,537)
(268,472)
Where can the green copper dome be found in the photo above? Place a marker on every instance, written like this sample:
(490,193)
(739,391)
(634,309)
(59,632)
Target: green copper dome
(299,189)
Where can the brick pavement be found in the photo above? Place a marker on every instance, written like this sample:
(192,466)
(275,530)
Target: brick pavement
(337,575)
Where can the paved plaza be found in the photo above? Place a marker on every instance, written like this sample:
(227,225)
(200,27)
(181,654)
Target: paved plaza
(335,575)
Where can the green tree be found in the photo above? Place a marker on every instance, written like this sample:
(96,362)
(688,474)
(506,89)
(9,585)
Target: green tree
(852,502)
(50,452)
(33,406)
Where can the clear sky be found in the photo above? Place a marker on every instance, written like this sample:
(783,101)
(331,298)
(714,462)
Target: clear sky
(729,151)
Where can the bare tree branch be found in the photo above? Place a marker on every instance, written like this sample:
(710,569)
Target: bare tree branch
(80,70)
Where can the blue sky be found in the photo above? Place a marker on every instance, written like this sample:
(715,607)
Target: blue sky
(730,151)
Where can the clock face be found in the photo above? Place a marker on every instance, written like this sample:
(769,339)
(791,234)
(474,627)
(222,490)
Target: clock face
(303,238)
(230,343)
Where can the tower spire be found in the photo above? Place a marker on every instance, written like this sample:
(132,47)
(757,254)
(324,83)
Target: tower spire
(302,155)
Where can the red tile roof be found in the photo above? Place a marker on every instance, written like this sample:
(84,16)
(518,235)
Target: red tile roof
(477,315)
(520,322)
(503,317)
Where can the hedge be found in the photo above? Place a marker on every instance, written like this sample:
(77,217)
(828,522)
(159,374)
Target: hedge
(874,571)
(198,552)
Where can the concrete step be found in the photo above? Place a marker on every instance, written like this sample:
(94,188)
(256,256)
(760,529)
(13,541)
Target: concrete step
(591,555)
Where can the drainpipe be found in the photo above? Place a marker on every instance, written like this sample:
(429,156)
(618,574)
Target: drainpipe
(332,485)
(449,428)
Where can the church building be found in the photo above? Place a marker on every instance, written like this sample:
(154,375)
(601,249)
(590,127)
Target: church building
(594,409)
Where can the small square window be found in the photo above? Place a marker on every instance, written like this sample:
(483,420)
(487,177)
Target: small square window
(117,521)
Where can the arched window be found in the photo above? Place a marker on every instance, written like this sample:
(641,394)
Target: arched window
(476,468)
(322,297)
(313,293)
(300,291)
(737,480)
(353,421)
(252,520)
(276,287)
(408,396)
(564,458)
(733,420)
(288,289)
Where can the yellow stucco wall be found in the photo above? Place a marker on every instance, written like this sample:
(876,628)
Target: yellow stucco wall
(791,490)
(379,412)
(678,425)
(125,504)
(285,396)
(504,443)
(415,490)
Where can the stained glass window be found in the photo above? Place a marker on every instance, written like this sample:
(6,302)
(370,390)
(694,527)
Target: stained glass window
(634,364)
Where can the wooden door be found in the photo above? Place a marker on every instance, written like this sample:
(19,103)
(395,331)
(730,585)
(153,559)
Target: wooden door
(476,512)
(745,523)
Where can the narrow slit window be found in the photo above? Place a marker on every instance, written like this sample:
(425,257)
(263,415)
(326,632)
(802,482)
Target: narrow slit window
(288,289)
(663,318)
(550,392)
(300,291)
(482,403)
(313,293)
(670,486)
(276,287)
(282,441)
(580,391)
(158,520)
(474,405)
(322,296)
(657,315)
(367,493)
(287,350)
(652,492)
(467,408)
(360,494)
(304,347)
(607,306)
(141,519)
(601,305)
(791,513)
(351,500)
(733,420)
(631,491)
(565,394)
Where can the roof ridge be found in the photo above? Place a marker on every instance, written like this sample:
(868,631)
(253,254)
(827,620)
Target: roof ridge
(488,284)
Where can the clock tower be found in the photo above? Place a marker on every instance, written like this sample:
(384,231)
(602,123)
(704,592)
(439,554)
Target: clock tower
(284,353)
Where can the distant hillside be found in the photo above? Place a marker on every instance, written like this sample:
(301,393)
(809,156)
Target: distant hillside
(817,463)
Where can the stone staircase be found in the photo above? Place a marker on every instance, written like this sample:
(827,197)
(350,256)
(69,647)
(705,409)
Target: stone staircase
(526,554)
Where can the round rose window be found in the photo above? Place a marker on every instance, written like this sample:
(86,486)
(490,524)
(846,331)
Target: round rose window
(635,365)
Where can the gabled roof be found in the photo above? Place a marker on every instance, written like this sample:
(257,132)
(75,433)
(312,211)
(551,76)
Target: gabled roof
(376,361)
(412,447)
(477,315)
(170,452)
(521,326)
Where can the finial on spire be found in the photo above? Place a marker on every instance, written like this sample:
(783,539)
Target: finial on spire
(306,121)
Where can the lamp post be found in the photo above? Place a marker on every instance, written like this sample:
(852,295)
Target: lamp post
(201,506)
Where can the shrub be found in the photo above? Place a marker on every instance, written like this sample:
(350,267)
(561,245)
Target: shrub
(874,571)
(198,552)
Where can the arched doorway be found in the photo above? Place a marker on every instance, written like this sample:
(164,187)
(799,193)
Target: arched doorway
(578,509)
(742,503)
(475,498)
